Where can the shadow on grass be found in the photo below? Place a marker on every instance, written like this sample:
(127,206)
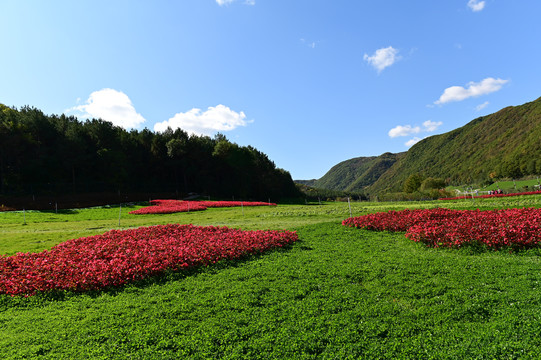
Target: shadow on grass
(60,211)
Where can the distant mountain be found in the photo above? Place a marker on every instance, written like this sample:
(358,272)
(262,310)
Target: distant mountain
(504,144)
(306,182)
(355,174)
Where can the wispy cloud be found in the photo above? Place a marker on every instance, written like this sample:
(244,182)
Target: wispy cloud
(110,105)
(227,2)
(476,5)
(404,131)
(473,89)
(412,142)
(482,106)
(430,126)
(195,121)
(382,58)
(224,2)
(407,130)
(310,44)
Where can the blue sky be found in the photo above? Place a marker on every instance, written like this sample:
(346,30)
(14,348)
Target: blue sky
(308,82)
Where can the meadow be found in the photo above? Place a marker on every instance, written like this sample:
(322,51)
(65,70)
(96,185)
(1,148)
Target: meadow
(336,293)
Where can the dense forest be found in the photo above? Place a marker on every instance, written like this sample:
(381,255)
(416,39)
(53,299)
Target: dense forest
(59,155)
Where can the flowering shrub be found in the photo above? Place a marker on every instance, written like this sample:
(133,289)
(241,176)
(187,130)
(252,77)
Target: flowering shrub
(491,196)
(118,257)
(173,206)
(514,228)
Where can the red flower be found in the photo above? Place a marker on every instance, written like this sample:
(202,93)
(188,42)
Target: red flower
(515,228)
(118,257)
(174,206)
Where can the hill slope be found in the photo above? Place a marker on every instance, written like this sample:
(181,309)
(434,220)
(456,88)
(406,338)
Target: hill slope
(504,144)
(357,173)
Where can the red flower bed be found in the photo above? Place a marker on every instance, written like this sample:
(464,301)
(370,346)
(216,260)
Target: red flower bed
(514,228)
(118,257)
(169,207)
(397,220)
(217,204)
(491,196)
(174,206)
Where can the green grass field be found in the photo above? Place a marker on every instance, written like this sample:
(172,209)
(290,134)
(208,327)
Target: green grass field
(337,293)
(507,185)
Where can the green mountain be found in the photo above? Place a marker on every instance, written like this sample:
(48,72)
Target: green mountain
(355,174)
(504,144)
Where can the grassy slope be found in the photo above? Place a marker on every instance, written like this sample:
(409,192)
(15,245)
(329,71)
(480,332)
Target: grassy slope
(337,293)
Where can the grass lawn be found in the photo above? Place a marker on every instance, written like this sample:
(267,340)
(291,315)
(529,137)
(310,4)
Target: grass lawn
(508,185)
(337,293)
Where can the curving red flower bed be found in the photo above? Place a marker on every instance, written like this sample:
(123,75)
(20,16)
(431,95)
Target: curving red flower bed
(169,207)
(513,228)
(491,196)
(174,206)
(121,256)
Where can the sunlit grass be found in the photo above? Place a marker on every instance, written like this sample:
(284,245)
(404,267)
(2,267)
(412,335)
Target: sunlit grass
(338,292)
(33,231)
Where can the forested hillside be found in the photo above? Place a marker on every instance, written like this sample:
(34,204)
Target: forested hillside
(59,155)
(506,144)
(355,174)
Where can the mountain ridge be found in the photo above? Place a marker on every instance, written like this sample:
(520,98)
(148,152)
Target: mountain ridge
(503,144)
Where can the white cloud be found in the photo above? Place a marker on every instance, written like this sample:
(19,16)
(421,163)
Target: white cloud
(382,58)
(110,105)
(310,44)
(430,126)
(407,130)
(476,5)
(482,106)
(412,142)
(473,89)
(224,2)
(227,2)
(404,131)
(215,119)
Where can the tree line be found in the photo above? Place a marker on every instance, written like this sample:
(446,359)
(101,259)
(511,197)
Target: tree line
(60,155)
